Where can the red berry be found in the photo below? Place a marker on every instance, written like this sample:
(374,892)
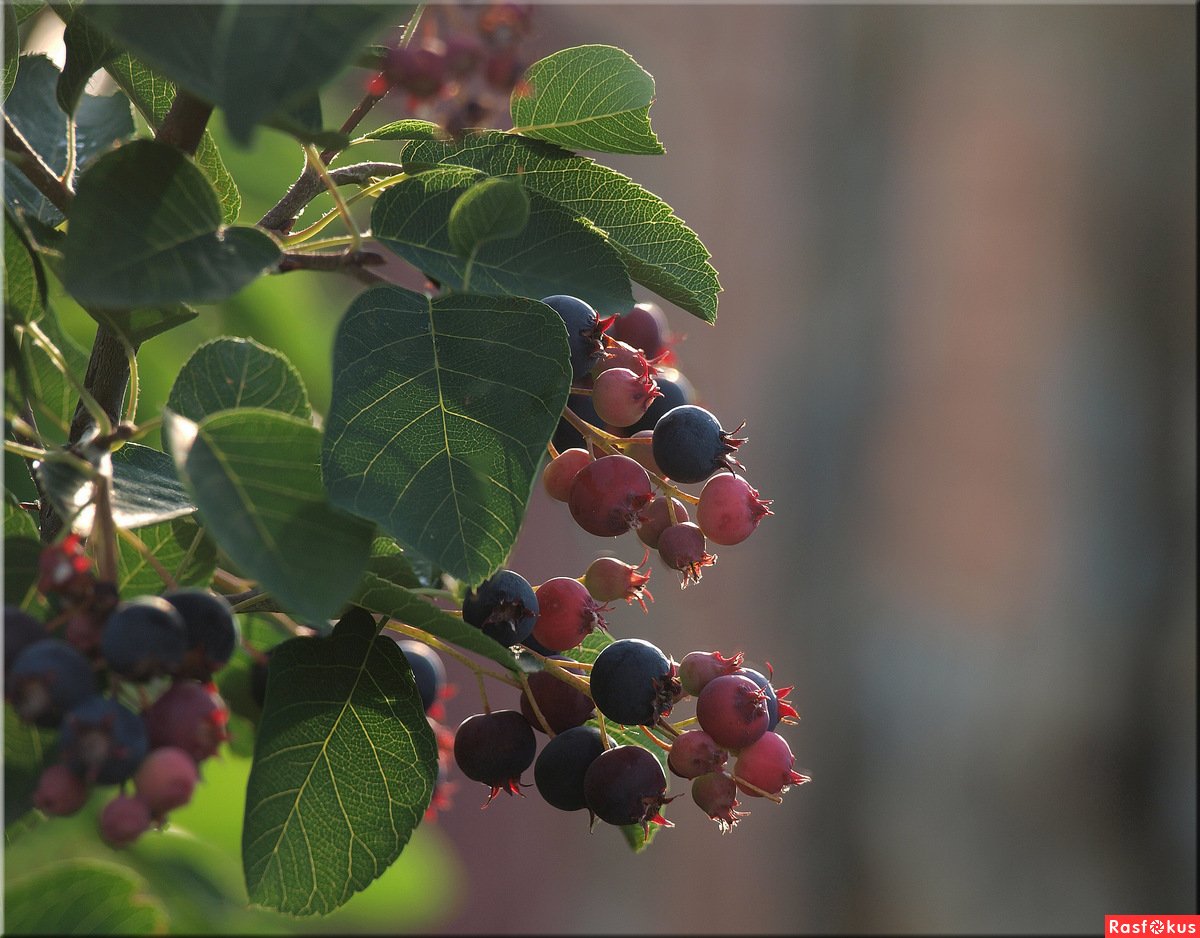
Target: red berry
(655,518)
(716,795)
(694,753)
(191,716)
(733,710)
(165,780)
(124,820)
(560,472)
(643,327)
(767,764)
(681,547)
(643,452)
(699,667)
(607,495)
(730,509)
(420,72)
(621,396)
(60,792)
(609,579)
(567,614)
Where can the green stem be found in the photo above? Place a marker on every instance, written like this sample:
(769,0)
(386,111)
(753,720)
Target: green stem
(56,357)
(314,159)
(25,452)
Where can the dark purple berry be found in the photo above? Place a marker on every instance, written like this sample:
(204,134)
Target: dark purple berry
(634,683)
(495,748)
(212,632)
(565,435)
(716,795)
(676,391)
(102,740)
(504,606)
(123,820)
(695,753)
(427,669)
(463,54)
(563,705)
(689,444)
(20,630)
(144,638)
(626,785)
(420,72)
(47,679)
(644,327)
(165,780)
(567,614)
(655,517)
(732,709)
(562,766)
(699,667)
(607,495)
(191,716)
(682,548)
(60,792)
(584,329)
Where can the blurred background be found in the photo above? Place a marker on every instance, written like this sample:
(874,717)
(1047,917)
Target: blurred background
(957,246)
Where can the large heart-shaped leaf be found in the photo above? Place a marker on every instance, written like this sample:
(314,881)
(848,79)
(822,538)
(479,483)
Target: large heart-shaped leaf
(33,109)
(440,412)
(252,60)
(146,230)
(587,98)
(659,250)
(94,898)
(254,477)
(344,767)
(228,372)
(554,252)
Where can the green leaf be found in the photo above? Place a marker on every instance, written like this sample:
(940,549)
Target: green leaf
(440,413)
(344,767)
(52,396)
(587,98)
(658,249)
(12,49)
(389,562)
(146,230)
(33,109)
(90,897)
(250,60)
(254,477)
(555,253)
(396,602)
(87,51)
(22,548)
(153,95)
(181,547)
(26,748)
(24,279)
(407,129)
(490,209)
(26,8)
(138,325)
(226,373)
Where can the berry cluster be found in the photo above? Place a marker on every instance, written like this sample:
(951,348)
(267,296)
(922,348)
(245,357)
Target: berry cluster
(465,78)
(128,685)
(732,746)
(631,435)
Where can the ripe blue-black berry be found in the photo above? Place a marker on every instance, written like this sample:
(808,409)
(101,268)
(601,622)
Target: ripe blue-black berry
(633,682)
(689,444)
(584,329)
(565,435)
(144,638)
(20,631)
(504,606)
(211,628)
(427,669)
(626,785)
(47,679)
(495,748)
(102,740)
(562,765)
(563,705)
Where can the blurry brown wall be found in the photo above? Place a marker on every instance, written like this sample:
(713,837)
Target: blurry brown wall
(958,252)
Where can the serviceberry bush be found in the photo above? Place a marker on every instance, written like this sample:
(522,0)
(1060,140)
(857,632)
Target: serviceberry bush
(238,553)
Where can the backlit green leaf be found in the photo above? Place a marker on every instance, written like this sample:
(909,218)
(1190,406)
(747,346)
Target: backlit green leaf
(24,279)
(146,230)
(440,413)
(554,253)
(92,898)
(254,477)
(229,372)
(344,767)
(490,209)
(180,547)
(659,250)
(587,98)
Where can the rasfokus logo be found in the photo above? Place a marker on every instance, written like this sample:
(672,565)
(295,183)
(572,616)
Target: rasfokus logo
(1152,924)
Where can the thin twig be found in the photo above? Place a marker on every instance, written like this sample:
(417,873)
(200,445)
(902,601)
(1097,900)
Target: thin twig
(26,159)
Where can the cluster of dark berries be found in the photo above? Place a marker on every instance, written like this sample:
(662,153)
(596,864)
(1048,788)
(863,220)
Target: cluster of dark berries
(632,436)
(128,685)
(732,749)
(464,66)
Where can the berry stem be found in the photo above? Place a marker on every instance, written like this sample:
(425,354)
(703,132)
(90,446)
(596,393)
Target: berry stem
(654,739)
(343,210)
(434,642)
(766,794)
(95,411)
(537,711)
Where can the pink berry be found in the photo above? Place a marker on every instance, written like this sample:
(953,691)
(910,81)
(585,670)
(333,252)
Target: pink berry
(716,795)
(124,820)
(767,764)
(60,792)
(166,779)
(643,451)
(191,716)
(607,495)
(655,518)
(560,472)
(695,753)
(567,614)
(609,579)
(682,548)
(730,509)
(733,710)
(621,396)
(699,667)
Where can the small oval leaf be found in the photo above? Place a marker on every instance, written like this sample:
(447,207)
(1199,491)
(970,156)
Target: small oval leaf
(226,373)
